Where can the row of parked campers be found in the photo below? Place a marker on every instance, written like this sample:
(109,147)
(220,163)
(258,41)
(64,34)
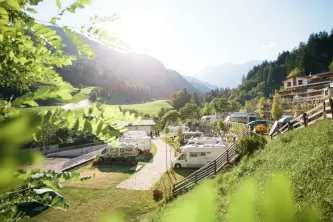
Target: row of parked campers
(199,151)
(137,137)
(132,143)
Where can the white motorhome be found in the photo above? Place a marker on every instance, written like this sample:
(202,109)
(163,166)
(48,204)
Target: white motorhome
(209,118)
(174,129)
(135,133)
(143,142)
(198,156)
(240,117)
(123,152)
(190,135)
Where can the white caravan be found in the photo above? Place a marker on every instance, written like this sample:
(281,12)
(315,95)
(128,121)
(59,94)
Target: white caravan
(190,135)
(174,129)
(239,117)
(198,156)
(123,152)
(143,142)
(135,133)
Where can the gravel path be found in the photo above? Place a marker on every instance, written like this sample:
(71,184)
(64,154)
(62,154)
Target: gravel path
(151,172)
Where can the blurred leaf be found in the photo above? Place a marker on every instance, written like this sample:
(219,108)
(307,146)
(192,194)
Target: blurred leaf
(113,217)
(32,10)
(53,20)
(278,203)
(197,206)
(59,4)
(14,4)
(242,205)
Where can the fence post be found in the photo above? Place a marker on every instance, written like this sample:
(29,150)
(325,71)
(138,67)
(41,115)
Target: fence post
(331,105)
(305,119)
(214,166)
(227,155)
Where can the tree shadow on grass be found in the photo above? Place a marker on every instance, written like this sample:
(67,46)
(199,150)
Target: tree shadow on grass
(112,168)
(145,158)
(184,172)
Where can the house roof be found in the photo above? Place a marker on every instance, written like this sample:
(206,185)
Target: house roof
(144,122)
(311,75)
(304,77)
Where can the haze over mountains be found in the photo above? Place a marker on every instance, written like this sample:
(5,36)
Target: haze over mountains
(227,75)
(133,77)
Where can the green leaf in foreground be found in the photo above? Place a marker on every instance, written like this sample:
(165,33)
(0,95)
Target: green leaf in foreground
(241,208)
(278,203)
(59,4)
(197,206)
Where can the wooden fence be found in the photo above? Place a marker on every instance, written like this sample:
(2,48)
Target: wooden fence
(209,169)
(322,111)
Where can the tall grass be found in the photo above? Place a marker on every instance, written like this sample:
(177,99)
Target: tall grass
(305,156)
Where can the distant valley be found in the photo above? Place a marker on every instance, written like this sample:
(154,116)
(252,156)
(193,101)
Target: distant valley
(227,75)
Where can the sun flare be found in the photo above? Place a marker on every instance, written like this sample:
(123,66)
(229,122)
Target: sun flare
(140,31)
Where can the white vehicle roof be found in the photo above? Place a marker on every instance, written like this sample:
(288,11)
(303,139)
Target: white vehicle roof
(240,114)
(123,145)
(190,133)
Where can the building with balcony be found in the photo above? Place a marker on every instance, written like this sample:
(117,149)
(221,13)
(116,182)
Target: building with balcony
(312,88)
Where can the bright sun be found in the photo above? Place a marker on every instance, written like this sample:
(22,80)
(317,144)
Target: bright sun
(142,32)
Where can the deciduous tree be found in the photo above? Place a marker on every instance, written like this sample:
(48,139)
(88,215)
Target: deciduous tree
(277,110)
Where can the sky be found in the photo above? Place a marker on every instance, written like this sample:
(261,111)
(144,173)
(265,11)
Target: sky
(189,35)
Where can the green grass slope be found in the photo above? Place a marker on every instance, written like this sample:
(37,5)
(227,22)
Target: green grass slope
(150,108)
(304,155)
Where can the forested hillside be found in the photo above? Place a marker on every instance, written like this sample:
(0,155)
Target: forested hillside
(136,76)
(314,56)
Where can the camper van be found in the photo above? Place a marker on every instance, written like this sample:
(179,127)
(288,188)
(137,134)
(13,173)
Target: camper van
(123,152)
(189,135)
(198,156)
(143,142)
(239,117)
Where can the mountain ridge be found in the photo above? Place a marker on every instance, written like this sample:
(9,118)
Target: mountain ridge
(203,86)
(141,72)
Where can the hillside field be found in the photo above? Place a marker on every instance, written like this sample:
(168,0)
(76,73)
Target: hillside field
(303,155)
(150,108)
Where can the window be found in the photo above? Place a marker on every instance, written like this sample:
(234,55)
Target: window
(114,150)
(207,153)
(288,84)
(202,154)
(326,92)
(182,157)
(193,154)
(121,150)
(300,82)
(104,151)
(128,149)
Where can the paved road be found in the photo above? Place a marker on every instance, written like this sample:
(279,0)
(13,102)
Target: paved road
(151,172)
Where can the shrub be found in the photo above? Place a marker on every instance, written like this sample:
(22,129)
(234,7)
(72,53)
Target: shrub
(248,145)
(261,129)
